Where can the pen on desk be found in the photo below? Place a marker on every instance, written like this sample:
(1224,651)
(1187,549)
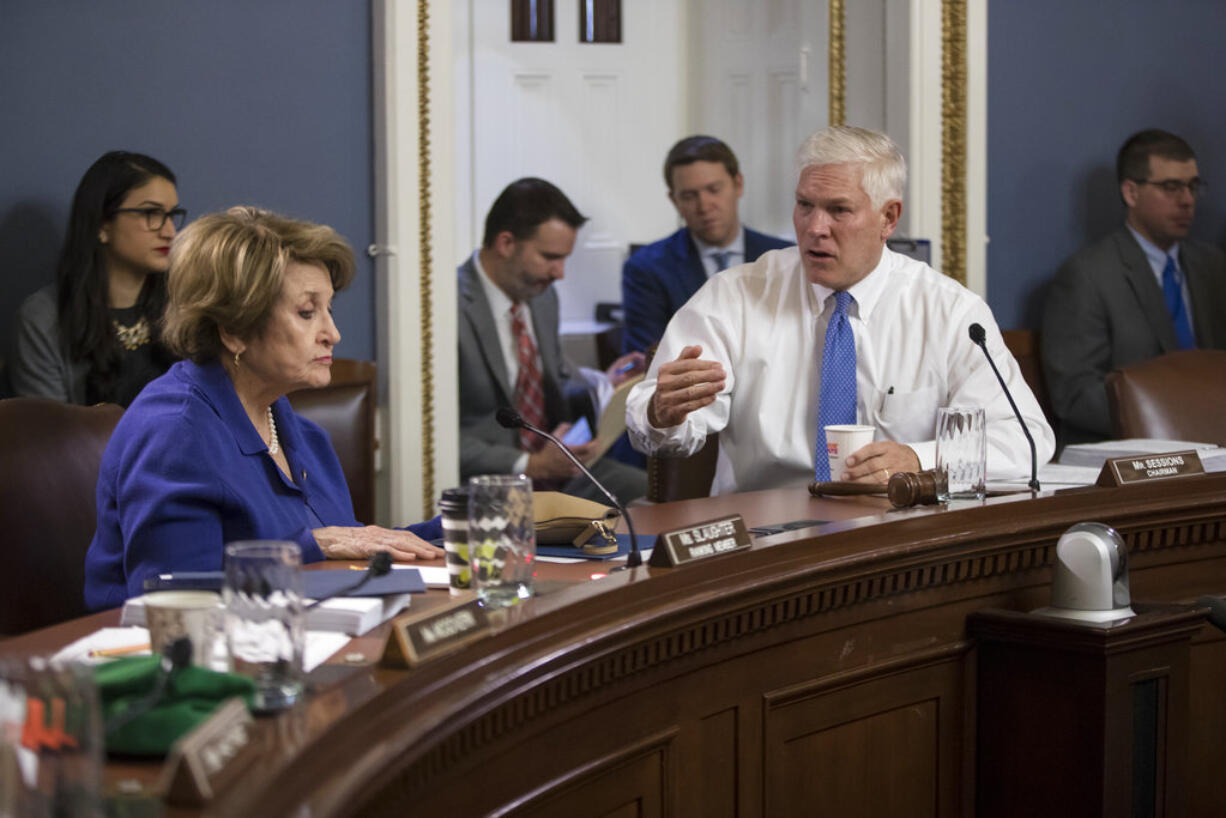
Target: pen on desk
(127,650)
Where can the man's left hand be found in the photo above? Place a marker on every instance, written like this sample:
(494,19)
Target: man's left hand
(875,462)
(626,367)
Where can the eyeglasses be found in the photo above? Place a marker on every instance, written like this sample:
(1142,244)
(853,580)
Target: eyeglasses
(1172,187)
(155,217)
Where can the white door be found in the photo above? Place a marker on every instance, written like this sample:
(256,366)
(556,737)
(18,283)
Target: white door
(760,79)
(594,119)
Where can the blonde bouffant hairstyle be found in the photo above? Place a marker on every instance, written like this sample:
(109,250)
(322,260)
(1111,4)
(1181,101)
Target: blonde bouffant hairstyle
(227,270)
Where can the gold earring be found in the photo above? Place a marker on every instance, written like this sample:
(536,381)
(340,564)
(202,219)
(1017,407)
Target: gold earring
(236,358)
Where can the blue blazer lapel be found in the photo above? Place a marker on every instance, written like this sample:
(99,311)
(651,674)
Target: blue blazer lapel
(476,310)
(687,254)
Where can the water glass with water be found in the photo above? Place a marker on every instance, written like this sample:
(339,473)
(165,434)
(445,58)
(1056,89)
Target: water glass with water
(501,538)
(962,452)
(262,595)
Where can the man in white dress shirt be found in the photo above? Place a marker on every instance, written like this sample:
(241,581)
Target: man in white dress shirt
(744,356)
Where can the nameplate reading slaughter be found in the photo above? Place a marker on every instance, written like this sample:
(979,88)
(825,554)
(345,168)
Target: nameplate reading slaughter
(416,639)
(1121,471)
(709,539)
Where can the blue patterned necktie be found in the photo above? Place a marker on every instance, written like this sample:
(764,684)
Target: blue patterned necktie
(837,399)
(1173,293)
(721,260)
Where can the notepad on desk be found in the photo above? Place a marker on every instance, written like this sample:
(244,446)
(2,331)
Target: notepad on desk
(315,584)
(353,616)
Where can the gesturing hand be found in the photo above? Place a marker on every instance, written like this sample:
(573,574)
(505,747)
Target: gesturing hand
(683,386)
(342,542)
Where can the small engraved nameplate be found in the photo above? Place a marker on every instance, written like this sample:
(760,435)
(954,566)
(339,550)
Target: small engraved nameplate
(709,539)
(1123,471)
(206,759)
(416,639)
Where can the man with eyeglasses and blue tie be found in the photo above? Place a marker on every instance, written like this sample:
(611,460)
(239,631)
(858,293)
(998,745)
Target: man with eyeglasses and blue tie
(1143,291)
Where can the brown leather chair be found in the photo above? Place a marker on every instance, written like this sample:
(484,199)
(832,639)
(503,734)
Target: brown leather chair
(50,453)
(1178,396)
(345,408)
(1024,346)
(681,478)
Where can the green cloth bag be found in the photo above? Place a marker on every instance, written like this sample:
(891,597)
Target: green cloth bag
(191,695)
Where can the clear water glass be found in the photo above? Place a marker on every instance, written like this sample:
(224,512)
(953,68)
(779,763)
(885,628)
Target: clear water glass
(501,538)
(265,634)
(962,452)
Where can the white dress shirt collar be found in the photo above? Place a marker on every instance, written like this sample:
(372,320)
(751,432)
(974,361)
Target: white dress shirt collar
(866,292)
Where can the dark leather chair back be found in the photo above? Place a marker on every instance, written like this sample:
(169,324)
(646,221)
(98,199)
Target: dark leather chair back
(345,409)
(1179,396)
(50,453)
(682,478)
(1024,346)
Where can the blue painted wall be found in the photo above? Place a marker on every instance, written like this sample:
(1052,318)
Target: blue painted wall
(269,103)
(1068,82)
(248,102)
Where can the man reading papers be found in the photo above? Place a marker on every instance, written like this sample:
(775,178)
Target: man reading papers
(837,330)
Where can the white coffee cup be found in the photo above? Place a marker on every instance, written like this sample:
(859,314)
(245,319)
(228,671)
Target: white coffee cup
(197,615)
(843,440)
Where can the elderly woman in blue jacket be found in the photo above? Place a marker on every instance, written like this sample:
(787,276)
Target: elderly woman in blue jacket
(211,451)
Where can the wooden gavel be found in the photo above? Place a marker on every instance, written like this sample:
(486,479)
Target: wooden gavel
(905,489)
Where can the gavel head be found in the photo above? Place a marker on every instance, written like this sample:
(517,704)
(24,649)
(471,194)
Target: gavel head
(908,489)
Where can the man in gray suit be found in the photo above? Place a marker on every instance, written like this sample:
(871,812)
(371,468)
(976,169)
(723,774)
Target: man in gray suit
(510,353)
(1143,291)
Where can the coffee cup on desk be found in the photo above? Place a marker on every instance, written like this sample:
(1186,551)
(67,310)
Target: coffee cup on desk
(843,440)
(170,615)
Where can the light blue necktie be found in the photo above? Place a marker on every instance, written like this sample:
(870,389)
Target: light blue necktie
(1173,294)
(837,399)
(721,260)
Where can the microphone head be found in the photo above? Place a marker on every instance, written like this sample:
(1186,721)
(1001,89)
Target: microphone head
(380,564)
(508,418)
(977,334)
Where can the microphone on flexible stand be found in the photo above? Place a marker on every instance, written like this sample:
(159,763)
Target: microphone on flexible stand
(508,418)
(979,337)
(380,565)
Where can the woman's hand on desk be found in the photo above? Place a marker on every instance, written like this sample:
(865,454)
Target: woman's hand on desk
(340,542)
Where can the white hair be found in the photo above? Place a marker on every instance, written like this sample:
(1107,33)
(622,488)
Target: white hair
(883,170)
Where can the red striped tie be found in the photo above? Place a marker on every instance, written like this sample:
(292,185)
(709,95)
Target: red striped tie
(529,396)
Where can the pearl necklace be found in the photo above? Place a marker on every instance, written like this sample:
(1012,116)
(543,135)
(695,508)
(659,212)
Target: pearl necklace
(274,445)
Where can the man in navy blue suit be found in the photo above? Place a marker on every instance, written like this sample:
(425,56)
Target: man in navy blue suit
(705,185)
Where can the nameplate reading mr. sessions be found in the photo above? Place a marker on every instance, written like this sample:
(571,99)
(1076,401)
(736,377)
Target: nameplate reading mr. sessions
(417,639)
(1121,471)
(709,539)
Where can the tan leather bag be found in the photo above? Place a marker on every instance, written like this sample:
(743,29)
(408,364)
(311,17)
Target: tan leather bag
(562,519)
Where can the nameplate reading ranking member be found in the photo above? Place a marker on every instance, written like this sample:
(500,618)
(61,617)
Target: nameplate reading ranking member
(709,539)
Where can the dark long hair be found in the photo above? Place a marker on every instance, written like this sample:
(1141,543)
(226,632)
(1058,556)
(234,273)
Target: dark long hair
(82,295)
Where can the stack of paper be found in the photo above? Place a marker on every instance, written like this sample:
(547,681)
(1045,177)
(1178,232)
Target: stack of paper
(1095,454)
(349,615)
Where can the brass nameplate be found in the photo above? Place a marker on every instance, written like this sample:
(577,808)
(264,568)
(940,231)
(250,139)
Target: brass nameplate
(416,639)
(206,759)
(709,539)
(1122,471)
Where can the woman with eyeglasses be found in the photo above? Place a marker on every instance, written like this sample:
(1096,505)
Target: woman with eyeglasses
(94,335)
